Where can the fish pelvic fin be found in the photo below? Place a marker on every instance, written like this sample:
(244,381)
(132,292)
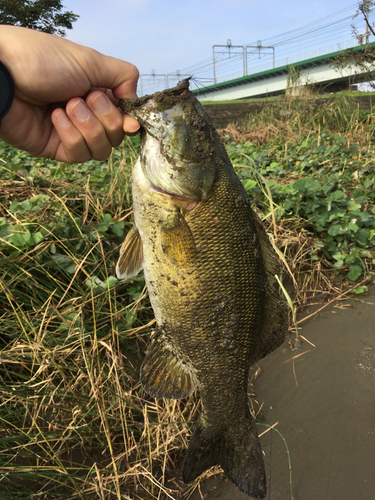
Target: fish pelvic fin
(237,450)
(163,375)
(130,262)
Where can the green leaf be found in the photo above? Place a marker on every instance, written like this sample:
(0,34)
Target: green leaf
(131,316)
(98,285)
(351,227)
(249,184)
(65,262)
(118,228)
(336,195)
(364,235)
(352,205)
(15,206)
(112,280)
(13,166)
(359,289)
(21,240)
(339,263)
(355,273)
(368,183)
(102,227)
(352,257)
(37,238)
(335,230)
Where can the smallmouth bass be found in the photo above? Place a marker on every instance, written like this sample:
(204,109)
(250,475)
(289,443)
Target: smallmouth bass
(209,269)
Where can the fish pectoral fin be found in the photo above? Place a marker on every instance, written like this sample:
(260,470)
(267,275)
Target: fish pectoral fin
(177,240)
(131,255)
(165,376)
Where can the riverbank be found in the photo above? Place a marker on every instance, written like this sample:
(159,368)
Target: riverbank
(328,419)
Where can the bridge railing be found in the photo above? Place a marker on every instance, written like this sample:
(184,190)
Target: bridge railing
(302,56)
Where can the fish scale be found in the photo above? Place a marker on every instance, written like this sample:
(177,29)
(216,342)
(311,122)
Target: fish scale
(209,270)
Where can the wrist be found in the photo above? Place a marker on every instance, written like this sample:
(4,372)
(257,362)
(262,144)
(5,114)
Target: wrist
(6,91)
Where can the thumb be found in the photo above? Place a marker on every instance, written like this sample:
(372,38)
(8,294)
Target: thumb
(111,73)
(119,76)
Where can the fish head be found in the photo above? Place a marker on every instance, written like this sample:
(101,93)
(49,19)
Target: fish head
(177,156)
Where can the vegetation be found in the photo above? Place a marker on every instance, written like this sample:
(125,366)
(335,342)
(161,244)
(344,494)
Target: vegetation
(40,15)
(310,172)
(75,423)
(365,9)
(361,64)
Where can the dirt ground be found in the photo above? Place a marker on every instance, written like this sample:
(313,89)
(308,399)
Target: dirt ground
(328,420)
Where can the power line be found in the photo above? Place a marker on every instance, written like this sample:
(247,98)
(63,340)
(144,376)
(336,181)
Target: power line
(327,29)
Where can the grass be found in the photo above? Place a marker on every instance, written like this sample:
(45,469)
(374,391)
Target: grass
(75,422)
(309,172)
(277,98)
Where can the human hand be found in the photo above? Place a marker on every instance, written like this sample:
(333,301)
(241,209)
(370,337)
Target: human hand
(65,99)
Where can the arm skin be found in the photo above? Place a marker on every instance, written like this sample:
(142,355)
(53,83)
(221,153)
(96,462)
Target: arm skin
(65,99)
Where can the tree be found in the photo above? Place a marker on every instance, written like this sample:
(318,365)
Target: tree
(41,15)
(359,61)
(365,8)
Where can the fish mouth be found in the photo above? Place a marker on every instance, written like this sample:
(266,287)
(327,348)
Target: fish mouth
(165,99)
(176,155)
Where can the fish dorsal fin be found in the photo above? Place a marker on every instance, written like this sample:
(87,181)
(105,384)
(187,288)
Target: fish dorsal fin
(131,255)
(275,323)
(177,240)
(163,375)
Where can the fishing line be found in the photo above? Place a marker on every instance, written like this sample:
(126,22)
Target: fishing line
(269,472)
(199,84)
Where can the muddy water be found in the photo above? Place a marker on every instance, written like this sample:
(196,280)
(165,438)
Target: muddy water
(328,420)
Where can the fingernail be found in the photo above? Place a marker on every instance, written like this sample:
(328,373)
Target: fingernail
(100,104)
(81,111)
(62,119)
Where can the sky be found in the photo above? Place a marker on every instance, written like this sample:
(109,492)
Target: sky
(166,36)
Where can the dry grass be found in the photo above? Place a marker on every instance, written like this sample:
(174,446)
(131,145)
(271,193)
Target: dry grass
(285,118)
(258,137)
(74,420)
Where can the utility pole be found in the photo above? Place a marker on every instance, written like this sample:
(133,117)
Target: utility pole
(177,75)
(228,46)
(154,76)
(259,47)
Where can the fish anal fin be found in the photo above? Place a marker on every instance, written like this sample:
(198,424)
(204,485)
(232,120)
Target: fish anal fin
(177,240)
(163,375)
(130,262)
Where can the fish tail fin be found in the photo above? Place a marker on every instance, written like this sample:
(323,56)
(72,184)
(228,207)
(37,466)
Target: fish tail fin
(236,449)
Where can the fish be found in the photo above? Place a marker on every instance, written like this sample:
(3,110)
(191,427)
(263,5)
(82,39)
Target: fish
(210,273)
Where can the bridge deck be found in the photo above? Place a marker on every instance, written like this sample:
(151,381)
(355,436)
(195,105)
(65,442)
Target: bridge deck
(316,70)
